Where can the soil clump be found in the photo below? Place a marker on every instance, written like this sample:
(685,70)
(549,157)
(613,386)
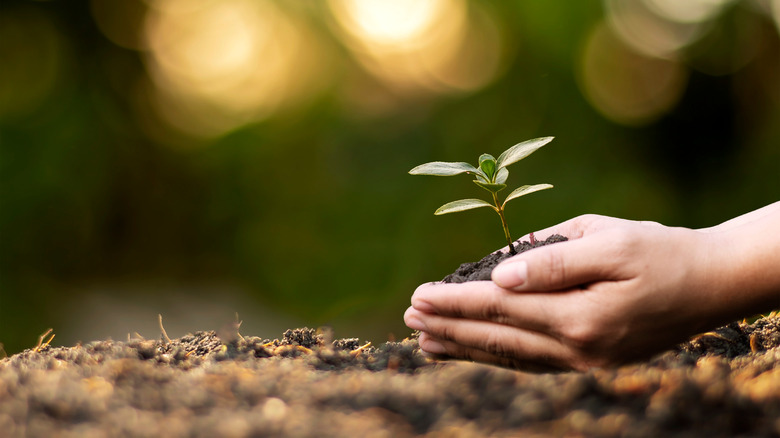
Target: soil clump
(480,271)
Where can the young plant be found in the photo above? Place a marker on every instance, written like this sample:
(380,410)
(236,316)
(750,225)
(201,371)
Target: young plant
(491,174)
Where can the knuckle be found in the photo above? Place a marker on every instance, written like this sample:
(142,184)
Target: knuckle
(496,345)
(582,336)
(493,345)
(585,220)
(624,243)
(555,274)
(621,237)
(467,354)
(653,224)
(493,308)
(446,332)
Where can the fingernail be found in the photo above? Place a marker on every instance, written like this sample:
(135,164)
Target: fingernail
(415,323)
(510,275)
(433,347)
(423,306)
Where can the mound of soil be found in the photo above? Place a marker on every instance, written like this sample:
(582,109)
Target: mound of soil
(724,383)
(480,271)
(305,384)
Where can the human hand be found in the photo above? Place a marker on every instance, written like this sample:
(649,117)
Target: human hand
(616,292)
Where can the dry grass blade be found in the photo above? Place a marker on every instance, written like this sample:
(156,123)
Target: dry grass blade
(41,344)
(238,326)
(358,350)
(712,334)
(162,329)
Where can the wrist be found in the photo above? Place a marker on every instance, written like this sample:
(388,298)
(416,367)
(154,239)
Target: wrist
(742,270)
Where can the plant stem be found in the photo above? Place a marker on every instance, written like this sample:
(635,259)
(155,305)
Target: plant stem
(500,211)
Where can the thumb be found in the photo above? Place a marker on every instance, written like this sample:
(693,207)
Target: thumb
(555,267)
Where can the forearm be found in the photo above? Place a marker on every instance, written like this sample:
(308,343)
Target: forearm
(747,271)
(769,210)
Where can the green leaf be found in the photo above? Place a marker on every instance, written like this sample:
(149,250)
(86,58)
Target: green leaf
(442,168)
(488,165)
(520,151)
(491,187)
(503,174)
(524,190)
(462,205)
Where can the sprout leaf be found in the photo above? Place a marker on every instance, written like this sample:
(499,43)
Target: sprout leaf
(443,168)
(503,174)
(462,205)
(490,174)
(521,150)
(488,165)
(524,190)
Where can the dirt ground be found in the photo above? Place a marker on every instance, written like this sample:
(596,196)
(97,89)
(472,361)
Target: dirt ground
(725,383)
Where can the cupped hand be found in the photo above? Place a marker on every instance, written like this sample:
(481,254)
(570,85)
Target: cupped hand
(616,292)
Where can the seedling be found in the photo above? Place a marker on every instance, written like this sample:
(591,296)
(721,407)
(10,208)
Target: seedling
(491,174)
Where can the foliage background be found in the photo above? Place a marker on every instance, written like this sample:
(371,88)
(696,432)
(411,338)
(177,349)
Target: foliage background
(115,207)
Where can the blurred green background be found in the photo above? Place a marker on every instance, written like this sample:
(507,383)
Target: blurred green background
(197,158)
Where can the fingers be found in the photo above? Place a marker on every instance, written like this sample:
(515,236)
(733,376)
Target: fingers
(485,301)
(574,228)
(431,346)
(559,266)
(486,341)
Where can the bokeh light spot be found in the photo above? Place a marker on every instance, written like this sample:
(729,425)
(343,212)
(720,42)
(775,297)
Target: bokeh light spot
(688,11)
(228,63)
(441,46)
(624,86)
(647,32)
(120,21)
(390,22)
(776,12)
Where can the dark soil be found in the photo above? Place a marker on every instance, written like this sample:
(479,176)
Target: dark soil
(305,384)
(480,271)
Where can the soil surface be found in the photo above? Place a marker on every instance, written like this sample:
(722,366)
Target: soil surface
(480,271)
(306,384)
(724,383)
